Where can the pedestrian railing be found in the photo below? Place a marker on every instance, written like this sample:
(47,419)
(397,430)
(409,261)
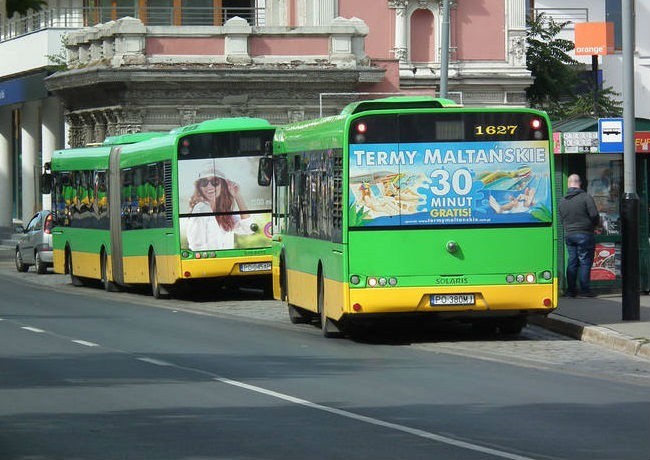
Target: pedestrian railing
(74,18)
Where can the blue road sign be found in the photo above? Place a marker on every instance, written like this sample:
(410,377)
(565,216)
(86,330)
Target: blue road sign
(610,135)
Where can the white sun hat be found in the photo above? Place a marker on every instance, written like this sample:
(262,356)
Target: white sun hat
(211,172)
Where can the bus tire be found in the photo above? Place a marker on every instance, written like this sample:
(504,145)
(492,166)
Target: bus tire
(108,285)
(329,327)
(75,280)
(158,291)
(283,280)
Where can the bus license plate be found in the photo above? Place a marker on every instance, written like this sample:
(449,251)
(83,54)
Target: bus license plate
(255,267)
(452,299)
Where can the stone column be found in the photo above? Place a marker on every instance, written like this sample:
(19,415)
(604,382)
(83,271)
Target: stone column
(6,171)
(51,135)
(30,139)
(401,27)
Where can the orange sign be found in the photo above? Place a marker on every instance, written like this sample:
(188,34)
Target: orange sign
(594,38)
(642,141)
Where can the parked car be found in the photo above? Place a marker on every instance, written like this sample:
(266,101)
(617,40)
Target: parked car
(34,245)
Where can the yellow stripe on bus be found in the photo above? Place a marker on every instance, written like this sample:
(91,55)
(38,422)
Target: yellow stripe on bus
(226,266)
(59,261)
(303,292)
(339,299)
(488,298)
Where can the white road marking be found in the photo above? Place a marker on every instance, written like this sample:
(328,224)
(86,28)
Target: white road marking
(32,329)
(374,421)
(87,344)
(157,362)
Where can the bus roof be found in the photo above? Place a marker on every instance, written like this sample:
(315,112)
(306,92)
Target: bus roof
(225,124)
(399,102)
(80,158)
(132,138)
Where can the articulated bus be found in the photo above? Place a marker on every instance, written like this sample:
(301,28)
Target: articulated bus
(159,208)
(415,206)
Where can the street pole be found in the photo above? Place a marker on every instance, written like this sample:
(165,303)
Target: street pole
(444,50)
(630,202)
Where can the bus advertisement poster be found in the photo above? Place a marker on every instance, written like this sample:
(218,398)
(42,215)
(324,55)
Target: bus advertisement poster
(463,183)
(221,206)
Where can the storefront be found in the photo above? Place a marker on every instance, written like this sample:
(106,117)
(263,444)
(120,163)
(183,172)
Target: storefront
(577,151)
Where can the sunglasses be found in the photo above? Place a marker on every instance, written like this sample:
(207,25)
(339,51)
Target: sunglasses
(213,181)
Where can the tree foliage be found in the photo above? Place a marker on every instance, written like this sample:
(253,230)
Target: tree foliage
(23,6)
(554,71)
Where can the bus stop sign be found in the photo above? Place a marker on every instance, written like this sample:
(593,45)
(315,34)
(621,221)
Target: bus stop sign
(610,135)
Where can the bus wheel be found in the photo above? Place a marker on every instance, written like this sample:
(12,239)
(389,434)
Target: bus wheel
(329,327)
(512,326)
(75,280)
(283,280)
(108,286)
(157,290)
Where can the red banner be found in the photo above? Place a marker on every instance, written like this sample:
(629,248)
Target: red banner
(642,142)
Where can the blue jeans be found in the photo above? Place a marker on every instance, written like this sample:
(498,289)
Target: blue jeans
(581,247)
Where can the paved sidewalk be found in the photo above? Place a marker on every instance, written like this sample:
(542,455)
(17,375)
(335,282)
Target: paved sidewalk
(599,320)
(595,320)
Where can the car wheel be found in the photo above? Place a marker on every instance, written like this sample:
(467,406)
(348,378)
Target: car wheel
(20,266)
(41,267)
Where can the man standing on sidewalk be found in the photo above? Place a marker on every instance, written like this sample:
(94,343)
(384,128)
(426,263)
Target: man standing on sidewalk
(579,216)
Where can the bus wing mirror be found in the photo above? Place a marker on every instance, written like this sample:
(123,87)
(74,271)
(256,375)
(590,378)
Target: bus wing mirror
(265,171)
(46,183)
(280,171)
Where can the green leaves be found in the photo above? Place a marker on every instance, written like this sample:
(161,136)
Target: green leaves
(23,6)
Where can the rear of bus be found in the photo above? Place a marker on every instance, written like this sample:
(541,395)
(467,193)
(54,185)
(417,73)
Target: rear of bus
(224,215)
(451,215)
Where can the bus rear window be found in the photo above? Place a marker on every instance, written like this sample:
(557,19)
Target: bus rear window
(220,145)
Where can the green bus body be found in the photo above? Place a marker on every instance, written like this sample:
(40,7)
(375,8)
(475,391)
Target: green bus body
(126,211)
(454,225)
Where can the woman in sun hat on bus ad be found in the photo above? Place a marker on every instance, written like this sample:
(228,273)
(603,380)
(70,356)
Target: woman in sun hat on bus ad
(213,193)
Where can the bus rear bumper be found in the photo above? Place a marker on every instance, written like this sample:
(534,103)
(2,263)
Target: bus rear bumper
(227,266)
(490,300)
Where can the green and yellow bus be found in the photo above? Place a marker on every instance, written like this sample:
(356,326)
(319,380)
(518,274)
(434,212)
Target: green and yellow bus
(415,206)
(156,208)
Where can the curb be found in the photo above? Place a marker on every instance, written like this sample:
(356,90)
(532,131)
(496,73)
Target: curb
(593,334)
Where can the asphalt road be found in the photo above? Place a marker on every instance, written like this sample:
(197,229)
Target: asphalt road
(94,375)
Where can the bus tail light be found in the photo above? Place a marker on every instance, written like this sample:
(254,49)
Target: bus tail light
(536,123)
(187,274)
(548,302)
(356,307)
